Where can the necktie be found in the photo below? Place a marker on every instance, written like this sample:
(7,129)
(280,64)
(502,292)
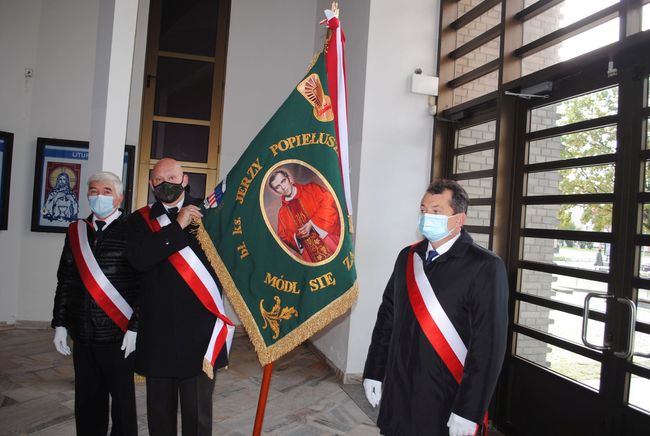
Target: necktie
(430,255)
(173,211)
(100,226)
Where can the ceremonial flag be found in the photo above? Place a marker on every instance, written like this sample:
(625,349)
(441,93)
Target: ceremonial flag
(278,233)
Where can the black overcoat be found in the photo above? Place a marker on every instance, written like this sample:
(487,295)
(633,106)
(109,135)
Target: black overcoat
(418,391)
(175,327)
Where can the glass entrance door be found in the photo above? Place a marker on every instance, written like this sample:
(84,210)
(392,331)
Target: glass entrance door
(581,262)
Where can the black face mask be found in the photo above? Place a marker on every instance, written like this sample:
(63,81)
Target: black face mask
(168,192)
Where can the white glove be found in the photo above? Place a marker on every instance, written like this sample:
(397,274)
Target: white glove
(373,391)
(61,340)
(459,426)
(128,343)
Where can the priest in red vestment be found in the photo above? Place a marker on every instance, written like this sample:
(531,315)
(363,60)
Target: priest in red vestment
(308,220)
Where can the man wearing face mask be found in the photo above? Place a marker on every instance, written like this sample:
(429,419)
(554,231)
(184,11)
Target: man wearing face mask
(96,304)
(175,326)
(440,336)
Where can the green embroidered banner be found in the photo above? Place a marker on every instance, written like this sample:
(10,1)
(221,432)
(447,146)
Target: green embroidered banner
(276,228)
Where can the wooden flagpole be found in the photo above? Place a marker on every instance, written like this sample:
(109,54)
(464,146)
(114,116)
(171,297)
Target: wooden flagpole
(261,402)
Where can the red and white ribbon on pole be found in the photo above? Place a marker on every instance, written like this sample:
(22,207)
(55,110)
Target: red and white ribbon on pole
(335,65)
(199,279)
(94,279)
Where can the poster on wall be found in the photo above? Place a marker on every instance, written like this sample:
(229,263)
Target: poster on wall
(58,180)
(6,146)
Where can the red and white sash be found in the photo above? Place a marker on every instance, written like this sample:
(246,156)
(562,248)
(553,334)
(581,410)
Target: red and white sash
(94,279)
(199,279)
(434,322)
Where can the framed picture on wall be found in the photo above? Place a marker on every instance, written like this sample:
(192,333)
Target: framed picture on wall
(6,147)
(58,179)
(127,177)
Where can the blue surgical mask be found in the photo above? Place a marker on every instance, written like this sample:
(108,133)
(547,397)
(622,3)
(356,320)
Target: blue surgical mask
(434,227)
(101,205)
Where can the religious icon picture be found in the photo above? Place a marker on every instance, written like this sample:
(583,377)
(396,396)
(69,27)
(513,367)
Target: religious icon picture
(58,181)
(6,146)
(302,212)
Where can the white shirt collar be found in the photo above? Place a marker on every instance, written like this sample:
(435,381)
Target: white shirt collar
(444,247)
(108,220)
(179,204)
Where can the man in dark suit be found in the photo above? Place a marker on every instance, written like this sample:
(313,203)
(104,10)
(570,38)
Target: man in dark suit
(175,326)
(440,336)
(96,304)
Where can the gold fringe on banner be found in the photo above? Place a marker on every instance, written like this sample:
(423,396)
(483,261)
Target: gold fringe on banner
(297,336)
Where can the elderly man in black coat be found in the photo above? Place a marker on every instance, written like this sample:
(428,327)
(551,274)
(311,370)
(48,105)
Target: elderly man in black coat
(440,336)
(96,304)
(175,327)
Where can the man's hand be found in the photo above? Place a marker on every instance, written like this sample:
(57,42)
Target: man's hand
(459,426)
(187,213)
(128,343)
(373,391)
(303,231)
(61,340)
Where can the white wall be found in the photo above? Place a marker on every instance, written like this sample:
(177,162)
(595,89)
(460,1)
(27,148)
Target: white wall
(333,340)
(395,153)
(56,39)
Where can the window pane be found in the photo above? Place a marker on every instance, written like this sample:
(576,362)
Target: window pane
(639,388)
(585,42)
(477,188)
(182,142)
(567,289)
(585,107)
(560,324)
(587,143)
(642,345)
(184,88)
(482,239)
(597,179)
(474,28)
(189,26)
(478,57)
(643,308)
(476,88)
(477,134)
(645,18)
(478,216)
(567,12)
(572,254)
(572,365)
(591,217)
(482,160)
(644,264)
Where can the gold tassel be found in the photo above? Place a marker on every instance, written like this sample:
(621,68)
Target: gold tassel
(139,379)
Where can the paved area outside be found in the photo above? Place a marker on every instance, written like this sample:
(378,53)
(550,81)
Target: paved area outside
(37,392)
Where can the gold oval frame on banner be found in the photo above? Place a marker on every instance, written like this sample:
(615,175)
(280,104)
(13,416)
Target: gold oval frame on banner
(274,231)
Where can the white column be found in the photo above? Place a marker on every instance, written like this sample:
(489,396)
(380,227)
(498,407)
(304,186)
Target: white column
(112,83)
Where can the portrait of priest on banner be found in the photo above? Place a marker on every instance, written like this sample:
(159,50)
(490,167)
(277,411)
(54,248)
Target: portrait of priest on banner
(302,212)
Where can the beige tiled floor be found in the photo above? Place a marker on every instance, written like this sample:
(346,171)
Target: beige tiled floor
(37,392)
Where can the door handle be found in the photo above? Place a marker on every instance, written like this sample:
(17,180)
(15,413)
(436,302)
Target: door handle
(632,325)
(585,321)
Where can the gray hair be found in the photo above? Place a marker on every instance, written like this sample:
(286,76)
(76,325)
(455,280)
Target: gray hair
(459,197)
(106,176)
